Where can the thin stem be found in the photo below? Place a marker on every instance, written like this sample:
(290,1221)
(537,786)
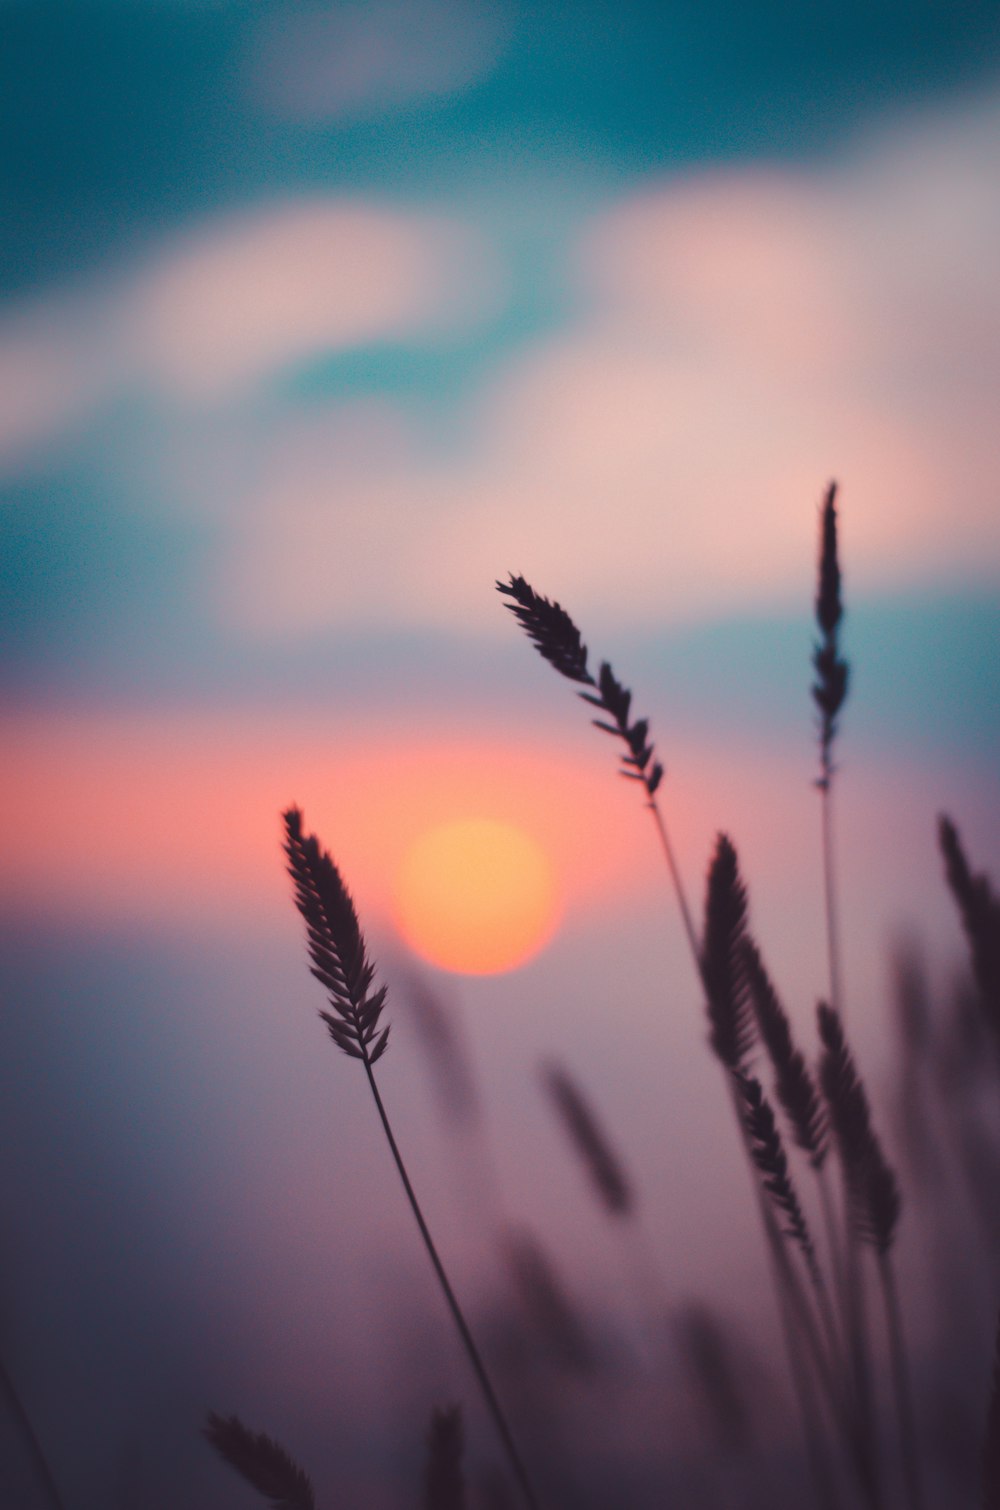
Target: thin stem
(857,1332)
(819,1467)
(678,884)
(833,1244)
(34,1446)
(901,1383)
(828,1319)
(479,1368)
(830,894)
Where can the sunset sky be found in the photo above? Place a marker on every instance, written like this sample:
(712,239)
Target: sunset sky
(316,320)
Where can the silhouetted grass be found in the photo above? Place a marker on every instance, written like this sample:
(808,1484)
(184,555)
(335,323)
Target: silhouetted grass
(827,1124)
(265,1465)
(340,962)
(444,1479)
(588,1137)
(829,693)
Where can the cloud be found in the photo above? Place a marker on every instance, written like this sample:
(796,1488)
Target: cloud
(363,59)
(743,335)
(220,308)
(737,337)
(257,292)
(47,384)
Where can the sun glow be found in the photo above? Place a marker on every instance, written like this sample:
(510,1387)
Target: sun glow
(476,897)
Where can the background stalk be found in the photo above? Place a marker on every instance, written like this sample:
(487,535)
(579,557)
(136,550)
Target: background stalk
(39,1462)
(901,1383)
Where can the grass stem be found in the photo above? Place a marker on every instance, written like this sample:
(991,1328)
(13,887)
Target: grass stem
(901,1383)
(39,1462)
(478,1367)
(830,897)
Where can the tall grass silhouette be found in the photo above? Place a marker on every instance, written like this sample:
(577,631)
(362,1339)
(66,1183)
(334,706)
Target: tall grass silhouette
(802,1114)
(262,1462)
(743,1009)
(340,963)
(718,959)
(829,693)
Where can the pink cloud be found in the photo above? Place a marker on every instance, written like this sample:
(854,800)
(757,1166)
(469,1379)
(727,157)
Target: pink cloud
(737,262)
(215,310)
(744,336)
(255,292)
(47,385)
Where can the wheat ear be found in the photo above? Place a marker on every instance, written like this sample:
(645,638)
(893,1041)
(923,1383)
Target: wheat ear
(260,1460)
(979,908)
(587,1135)
(798,1096)
(340,961)
(829,692)
(557,640)
(769,1156)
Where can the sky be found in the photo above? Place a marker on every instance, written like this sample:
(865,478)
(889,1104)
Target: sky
(315,321)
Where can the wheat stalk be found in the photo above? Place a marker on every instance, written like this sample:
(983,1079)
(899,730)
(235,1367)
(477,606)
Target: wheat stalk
(772,1164)
(722,970)
(554,1315)
(829,692)
(716,959)
(444,1481)
(260,1460)
(874,1206)
(36,1452)
(557,639)
(794,1085)
(991,1442)
(340,961)
(587,1135)
(797,1094)
(979,908)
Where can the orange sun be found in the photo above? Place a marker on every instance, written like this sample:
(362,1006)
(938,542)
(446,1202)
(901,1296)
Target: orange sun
(476,897)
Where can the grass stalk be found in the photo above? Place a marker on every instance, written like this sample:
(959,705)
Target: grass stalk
(558,640)
(830,909)
(901,1383)
(678,884)
(36,1454)
(468,1342)
(829,692)
(873,1206)
(835,1246)
(991,1438)
(444,1480)
(340,962)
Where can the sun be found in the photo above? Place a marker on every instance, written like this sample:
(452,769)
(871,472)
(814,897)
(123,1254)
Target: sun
(476,897)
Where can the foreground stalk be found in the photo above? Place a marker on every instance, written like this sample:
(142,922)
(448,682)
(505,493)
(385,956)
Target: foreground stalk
(340,962)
